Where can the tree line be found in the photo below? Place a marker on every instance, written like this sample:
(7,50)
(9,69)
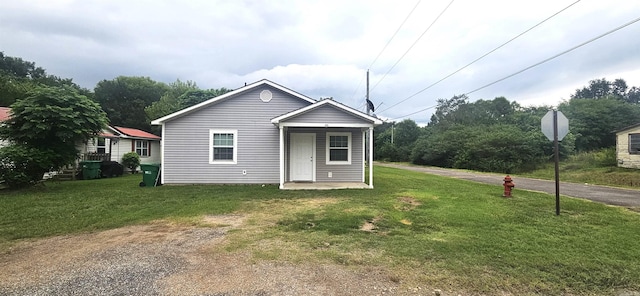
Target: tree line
(51,115)
(502,136)
(129,101)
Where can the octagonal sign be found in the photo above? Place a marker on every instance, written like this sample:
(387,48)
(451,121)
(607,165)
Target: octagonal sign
(547,125)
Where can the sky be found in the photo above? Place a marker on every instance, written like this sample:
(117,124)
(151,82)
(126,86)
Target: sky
(323,48)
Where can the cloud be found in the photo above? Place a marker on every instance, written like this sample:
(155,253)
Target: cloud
(323,48)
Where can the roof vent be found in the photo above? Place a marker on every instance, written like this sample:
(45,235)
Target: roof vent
(266,95)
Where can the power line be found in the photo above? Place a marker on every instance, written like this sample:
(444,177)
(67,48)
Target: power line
(421,110)
(481,57)
(388,42)
(541,62)
(555,56)
(412,45)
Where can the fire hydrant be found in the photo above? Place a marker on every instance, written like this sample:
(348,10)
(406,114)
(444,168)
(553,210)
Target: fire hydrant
(508,185)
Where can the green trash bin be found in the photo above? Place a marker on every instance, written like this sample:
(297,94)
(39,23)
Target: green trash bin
(90,169)
(150,174)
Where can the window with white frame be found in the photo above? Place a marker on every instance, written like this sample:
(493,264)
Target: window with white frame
(634,143)
(142,148)
(338,148)
(223,146)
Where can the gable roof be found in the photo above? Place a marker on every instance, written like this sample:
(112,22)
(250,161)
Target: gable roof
(4,113)
(135,133)
(231,94)
(331,102)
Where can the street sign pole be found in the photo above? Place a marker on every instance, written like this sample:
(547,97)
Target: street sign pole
(555,145)
(555,126)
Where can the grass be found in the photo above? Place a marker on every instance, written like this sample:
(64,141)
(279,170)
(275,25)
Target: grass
(428,230)
(592,167)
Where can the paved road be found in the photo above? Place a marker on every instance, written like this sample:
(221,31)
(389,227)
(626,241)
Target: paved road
(603,194)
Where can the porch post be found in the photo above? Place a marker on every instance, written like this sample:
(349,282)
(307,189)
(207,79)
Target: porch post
(281,157)
(371,157)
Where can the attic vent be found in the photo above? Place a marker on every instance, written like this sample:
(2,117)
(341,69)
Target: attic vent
(266,95)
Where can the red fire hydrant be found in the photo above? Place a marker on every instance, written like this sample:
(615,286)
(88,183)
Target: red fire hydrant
(508,185)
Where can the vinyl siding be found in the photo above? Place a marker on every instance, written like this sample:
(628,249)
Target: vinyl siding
(340,173)
(186,140)
(327,114)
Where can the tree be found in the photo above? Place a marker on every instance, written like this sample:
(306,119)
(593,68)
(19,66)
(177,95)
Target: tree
(125,98)
(51,121)
(593,121)
(174,101)
(18,76)
(602,88)
(168,102)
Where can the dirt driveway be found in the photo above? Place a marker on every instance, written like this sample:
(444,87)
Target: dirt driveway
(162,258)
(608,195)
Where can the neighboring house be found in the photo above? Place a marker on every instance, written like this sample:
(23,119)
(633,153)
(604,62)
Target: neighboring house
(264,133)
(115,141)
(628,146)
(4,115)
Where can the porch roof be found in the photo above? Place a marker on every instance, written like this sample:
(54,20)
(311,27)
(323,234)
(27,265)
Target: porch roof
(368,120)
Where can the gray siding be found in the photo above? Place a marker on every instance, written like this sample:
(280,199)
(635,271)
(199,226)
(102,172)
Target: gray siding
(341,173)
(186,140)
(327,114)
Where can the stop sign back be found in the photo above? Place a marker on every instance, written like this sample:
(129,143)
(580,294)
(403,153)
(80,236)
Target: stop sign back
(547,125)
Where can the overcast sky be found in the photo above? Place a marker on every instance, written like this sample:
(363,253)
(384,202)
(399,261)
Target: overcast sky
(323,48)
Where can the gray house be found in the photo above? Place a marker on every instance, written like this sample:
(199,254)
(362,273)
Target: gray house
(264,133)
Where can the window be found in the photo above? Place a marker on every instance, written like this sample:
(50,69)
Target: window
(142,148)
(101,147)
(223,146)
(634,143)
(338,148)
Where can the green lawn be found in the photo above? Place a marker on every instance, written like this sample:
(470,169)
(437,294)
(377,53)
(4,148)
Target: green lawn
(427,229)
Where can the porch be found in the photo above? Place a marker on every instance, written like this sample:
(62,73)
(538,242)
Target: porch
(96,156)
(323,185)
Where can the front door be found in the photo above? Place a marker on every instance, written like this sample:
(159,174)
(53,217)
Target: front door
(302,156)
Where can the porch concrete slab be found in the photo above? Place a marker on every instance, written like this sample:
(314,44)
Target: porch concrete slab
(324,186)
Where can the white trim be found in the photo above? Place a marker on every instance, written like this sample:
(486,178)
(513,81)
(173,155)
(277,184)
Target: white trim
(371,157)
(235,146)
(327,148)
(364,159)
(230,94)
(280,118)
(300,124)
(162,155)
(281,137)
(135,147)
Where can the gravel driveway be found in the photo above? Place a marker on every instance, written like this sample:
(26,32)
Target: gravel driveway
(162,258)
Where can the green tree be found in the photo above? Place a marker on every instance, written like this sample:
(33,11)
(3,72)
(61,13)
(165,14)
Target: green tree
(18,76)
(52,121)
(168,102)
(174,101)
(125,98)
(602,88)
(593,121)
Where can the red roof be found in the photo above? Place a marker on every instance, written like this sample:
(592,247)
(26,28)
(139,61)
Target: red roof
(4,113)
(136,133)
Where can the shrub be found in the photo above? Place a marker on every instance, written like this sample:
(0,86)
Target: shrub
(131,160)
(22,166)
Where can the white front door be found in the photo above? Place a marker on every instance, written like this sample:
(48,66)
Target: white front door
(302,154)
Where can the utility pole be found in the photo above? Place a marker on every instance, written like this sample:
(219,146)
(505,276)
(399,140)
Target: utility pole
(368,109)
(366,147)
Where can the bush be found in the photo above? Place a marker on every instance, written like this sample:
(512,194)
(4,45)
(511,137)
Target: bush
(22,166)
(131,160)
